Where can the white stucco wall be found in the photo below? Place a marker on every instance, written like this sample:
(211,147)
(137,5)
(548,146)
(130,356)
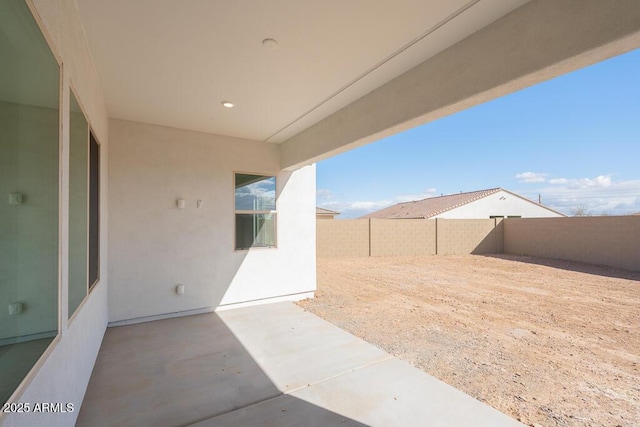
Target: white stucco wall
(155,246)
(63,374)
(501,203)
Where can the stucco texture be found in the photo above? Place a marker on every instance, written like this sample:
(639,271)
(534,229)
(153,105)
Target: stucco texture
(154,246)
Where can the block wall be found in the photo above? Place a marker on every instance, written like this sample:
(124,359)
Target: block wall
(342,238)
(613,240)
(467,236)
(408,237)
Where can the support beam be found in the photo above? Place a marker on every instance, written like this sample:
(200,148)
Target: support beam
(536,42)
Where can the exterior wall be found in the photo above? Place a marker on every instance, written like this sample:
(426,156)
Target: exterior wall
(63,372)
(405,237)
(325,216)
(155,246)
(612,241)
(468,236)
(501,203)
(343,238)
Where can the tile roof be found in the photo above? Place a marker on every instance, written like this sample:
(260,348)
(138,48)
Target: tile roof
(426,208)
(324,211)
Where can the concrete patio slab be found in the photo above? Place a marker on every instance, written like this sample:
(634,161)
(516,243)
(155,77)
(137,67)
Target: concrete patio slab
(171,372)
(393,393)
(286,341)
(266,365)
(388,393)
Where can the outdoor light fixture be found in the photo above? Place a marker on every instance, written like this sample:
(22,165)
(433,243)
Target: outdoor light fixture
(227,104)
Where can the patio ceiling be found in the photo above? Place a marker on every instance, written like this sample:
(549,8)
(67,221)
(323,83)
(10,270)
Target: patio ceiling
(173,62)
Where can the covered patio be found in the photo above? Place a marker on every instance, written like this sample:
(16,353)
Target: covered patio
(268,365)
(158,161)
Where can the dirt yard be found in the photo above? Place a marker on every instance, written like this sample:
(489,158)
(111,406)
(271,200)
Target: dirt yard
(550,343)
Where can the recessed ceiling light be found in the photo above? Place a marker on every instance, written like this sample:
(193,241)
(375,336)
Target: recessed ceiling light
(227,104)
(270,43)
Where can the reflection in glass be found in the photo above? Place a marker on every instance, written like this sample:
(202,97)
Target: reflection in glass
(255,192)
(255,201)
(29,146)
(78,204)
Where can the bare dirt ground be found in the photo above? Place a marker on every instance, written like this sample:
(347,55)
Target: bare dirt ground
(548,342)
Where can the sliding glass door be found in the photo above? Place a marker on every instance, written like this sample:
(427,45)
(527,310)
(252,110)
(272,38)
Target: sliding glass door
(29,194)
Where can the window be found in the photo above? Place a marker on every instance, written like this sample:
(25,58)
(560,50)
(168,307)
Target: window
(255,211)
(78,204)
(84,203)
(94,211)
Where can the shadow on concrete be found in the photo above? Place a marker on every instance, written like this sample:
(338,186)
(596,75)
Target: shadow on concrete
(598,270)
(185,371)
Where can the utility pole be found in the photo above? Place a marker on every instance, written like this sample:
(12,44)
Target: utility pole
(539,199)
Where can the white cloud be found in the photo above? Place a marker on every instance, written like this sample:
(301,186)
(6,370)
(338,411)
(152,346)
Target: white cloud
(429,192)
(598,195)
(324,194)
(558,181)
(370,206)
(357,208)
(601,181)
(531,177)
(326,199)
(260,194)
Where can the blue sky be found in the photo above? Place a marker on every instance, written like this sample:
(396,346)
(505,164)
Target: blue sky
(575,140)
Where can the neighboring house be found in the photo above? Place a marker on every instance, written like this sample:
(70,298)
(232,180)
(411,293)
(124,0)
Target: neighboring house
(491,203)
(322,213)
(157,159)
